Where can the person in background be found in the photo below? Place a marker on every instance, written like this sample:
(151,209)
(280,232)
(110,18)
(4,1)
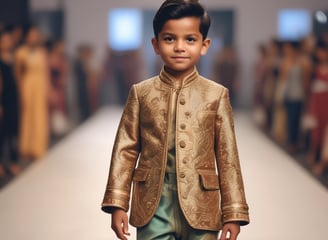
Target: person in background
(81,73)
(9,104)
(259,77)
(17,35)
(294,92)
(307,60)
(58,72)
(325,37)
(318,109)
(94,75)
(226,71)
(126,70)
(106,79)
(32,72)
(271,75)
(2,169)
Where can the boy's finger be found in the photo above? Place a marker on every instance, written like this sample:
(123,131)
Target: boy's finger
(233,235)
(119,231)
(126,227)
(120,234)
(223,235)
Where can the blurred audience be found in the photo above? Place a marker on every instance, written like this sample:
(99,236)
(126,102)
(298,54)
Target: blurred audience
(259,77)
(225,71)
(290,97)
(59,67)
(17,35)
(83,76)
(34,106)
(293,81)
(9,107)
(318,110)
(106,79)
(32,73)
(273,101)
(126,69)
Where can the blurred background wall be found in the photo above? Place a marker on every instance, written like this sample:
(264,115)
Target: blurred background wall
(255,20)
(17,8)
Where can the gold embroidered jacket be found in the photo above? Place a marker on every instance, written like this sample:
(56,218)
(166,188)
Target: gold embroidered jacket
(210,185)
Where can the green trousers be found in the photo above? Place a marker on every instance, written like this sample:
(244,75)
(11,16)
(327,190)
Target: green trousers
(169,222)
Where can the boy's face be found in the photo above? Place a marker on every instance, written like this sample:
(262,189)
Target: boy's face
(180,45)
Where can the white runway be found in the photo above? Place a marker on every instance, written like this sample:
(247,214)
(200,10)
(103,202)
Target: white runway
(59,197)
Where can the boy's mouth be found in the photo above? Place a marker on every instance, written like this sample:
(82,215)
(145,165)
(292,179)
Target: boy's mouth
(179,58)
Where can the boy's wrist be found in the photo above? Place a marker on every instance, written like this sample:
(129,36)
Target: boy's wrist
(114,209)
(233,222)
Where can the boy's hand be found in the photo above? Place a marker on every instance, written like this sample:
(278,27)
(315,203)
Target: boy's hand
(120,223)
(233,228)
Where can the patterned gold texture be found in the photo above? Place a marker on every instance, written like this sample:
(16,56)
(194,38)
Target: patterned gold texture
(210,185)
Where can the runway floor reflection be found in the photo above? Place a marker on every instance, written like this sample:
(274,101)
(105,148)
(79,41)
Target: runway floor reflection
(59,197)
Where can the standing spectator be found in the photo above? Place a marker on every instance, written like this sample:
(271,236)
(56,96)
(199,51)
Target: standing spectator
(259,77)
(2,169)
(32,72)
(226,71)
(306,58)
(58,73)
(93,87)
(9,104)
(81,72)
(107,83)
(325,37)
(292,73)
(271,82)
(318,109)
(17,35)
(127,70)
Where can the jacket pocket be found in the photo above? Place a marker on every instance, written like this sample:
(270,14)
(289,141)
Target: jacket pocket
(209,180)
(141,174)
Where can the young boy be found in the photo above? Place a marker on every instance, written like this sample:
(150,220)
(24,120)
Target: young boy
(176,143)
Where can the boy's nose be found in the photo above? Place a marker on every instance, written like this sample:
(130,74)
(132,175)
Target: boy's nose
(179,46)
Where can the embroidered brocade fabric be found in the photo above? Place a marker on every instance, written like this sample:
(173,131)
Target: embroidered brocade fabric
(209,179)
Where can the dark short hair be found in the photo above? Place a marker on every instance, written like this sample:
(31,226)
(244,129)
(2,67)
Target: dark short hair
(176,9)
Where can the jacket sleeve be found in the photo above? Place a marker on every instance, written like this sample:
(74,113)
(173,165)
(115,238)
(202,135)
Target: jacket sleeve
(124,157)
(233,201)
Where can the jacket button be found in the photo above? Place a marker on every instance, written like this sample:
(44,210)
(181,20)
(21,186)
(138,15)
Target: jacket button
(182,175)
(182,144)
(185,160)
(183,126)
(182,101)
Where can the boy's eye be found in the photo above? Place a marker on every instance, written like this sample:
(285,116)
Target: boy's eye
(191,39)
(168,39)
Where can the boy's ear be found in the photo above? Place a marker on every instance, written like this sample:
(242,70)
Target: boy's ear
(154,42)
(205,47)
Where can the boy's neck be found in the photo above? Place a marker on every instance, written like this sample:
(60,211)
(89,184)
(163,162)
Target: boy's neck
(178,76)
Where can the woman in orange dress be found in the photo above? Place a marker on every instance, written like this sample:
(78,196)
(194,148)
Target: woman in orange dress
(32,72)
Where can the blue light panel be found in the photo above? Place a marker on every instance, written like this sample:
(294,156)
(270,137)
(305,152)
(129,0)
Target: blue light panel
(125,29)
(294,24)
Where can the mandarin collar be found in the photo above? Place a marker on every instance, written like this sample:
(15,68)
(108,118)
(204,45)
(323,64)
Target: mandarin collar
(170,80)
